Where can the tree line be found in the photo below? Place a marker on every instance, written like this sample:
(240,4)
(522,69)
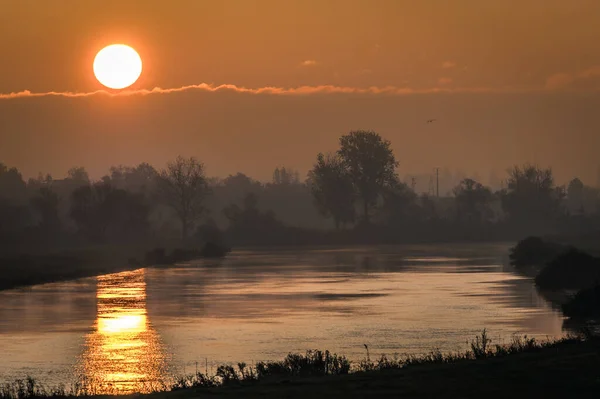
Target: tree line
(351,195)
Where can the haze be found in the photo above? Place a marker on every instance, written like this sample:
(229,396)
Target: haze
(520,83)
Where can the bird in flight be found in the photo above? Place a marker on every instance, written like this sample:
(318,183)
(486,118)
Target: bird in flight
(431,120)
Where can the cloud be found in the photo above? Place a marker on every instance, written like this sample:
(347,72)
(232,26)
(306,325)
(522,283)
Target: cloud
(448,64)
(309,63)
(269,90)
(586,79)
(444,81)
(590,73)
(559,81)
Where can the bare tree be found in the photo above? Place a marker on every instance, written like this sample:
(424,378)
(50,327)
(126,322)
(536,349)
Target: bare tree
(183,186)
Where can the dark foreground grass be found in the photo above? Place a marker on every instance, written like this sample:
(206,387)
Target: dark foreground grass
(568,368)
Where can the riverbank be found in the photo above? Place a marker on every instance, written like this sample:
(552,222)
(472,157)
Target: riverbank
(525,368)
(41,268)
(566,370)
(28,270)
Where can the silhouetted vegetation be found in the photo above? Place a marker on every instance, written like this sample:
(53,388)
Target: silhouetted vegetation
(572,270)
(30,269)
(559,269)
(183,187)
(534,252)
(352,196)
(584,305)
(464,374)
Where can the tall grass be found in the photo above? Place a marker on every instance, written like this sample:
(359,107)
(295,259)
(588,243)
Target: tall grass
(313,363)
(480,348)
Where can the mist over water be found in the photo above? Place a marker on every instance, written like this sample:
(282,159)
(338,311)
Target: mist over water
(261,305)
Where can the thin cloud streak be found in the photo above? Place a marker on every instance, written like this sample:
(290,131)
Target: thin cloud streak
(309,63)
(271,90)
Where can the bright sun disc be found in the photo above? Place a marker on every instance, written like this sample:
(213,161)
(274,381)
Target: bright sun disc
(117,66)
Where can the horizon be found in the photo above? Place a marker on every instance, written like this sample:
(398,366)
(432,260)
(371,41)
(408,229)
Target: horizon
(240,98)
(299,198)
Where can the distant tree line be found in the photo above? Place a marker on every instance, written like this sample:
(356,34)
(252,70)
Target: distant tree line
(352,195)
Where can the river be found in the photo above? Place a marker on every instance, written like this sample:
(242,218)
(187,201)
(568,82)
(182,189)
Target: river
(136,330)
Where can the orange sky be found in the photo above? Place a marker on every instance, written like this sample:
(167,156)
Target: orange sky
(536,64)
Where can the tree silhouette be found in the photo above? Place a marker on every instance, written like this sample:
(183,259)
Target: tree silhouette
(285,176)
(103,213)
(12,185)
(531,198)
(332,189)
(575,195)
(473,201)
(370,163)
(46,203)
(248,223)
(183,186)
(86,213)
(136,179)
(399,204)
(78,174)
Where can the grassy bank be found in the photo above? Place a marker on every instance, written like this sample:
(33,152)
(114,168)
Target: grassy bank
(31,269)
(525,368)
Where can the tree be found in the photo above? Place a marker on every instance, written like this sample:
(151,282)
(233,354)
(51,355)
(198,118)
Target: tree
(85,210)
(42,181)
(249,224)
(46,204)
(137,179)
(370,163)
(78,174)
(575,195)
(473,201)
(102,212)
(12,185)
(531,199)
(399,204)
(183,186)
(332,189)
(285,176)
(234,188)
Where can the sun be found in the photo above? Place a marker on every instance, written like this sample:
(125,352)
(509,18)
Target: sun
(117,66)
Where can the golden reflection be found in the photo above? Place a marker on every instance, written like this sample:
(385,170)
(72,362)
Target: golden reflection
(123,354)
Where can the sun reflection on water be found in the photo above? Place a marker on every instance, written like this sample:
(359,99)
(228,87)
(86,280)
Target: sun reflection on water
(123,354)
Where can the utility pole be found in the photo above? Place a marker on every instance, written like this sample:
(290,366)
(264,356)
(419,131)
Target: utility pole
(413,182)
(437,182)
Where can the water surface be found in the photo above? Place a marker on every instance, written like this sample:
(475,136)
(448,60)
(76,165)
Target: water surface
(135,330)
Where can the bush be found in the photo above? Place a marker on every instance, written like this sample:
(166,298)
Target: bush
(533,251)
(573,269)
(584,305)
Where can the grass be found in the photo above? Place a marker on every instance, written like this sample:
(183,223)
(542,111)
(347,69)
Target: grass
(38,268)
(28,269)
(524,368)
